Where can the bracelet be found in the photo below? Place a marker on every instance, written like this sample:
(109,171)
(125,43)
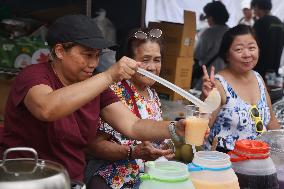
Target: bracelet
(129,153)
(172,131)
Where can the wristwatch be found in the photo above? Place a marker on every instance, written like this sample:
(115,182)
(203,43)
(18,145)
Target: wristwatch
(173,133)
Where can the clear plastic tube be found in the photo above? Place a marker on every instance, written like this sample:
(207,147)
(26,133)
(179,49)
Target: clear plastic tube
(175,88)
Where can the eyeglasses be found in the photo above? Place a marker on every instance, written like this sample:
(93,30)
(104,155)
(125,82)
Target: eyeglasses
(155,33)
(255,115)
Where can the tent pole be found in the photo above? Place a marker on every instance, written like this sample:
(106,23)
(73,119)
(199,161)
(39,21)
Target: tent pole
(143,13)
(89,8)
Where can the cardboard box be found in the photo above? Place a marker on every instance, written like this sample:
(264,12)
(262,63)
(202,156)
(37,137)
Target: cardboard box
(177,70)
(167,94)
(178,38)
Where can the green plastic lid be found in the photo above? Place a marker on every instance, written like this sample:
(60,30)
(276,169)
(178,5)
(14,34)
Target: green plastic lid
(165,171)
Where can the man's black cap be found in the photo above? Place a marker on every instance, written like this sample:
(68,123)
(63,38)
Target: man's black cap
(79,29)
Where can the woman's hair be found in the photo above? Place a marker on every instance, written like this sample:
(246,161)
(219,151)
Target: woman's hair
(133,42)
(262,4)
(217,11)
(229,37)
(67,46)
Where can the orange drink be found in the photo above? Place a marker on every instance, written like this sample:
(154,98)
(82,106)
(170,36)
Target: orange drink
(212,170)
(195,129)
(204,184)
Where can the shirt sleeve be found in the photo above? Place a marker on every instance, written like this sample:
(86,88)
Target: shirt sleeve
(28,78)
(107,97)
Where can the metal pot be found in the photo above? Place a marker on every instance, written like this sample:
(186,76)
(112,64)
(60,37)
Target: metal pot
(275,139)
(31,173)
(278,109)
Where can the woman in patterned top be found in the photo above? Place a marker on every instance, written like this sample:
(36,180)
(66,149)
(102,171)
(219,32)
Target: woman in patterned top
(125,156)
(245,110)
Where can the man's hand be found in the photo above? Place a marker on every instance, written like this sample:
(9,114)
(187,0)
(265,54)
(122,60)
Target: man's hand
(148,152)
(125,68)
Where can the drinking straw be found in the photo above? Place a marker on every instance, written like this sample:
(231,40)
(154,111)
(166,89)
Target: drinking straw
(175,88)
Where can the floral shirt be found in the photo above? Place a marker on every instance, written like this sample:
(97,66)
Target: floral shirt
(234,121)
(122,174)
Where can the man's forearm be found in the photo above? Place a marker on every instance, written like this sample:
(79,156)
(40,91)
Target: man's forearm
(146,129)
(109,151)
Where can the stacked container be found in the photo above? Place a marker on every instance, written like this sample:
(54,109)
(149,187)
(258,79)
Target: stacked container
(212,170)
(178,50)
(253,166)
(275,139)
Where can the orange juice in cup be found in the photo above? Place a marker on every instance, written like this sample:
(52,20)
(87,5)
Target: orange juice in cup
(195,128)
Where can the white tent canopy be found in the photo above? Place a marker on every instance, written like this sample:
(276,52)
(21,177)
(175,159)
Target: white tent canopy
(172,10)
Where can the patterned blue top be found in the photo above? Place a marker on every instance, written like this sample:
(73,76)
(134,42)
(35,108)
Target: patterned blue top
(234,121)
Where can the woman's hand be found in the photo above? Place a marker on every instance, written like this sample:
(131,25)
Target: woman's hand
(147,151)
(125,68)
(208,82)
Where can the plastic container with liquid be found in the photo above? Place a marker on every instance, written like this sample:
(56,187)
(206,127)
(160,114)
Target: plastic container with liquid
(253,166)
(212,169)
(165,175)
(275,139)
(280,175)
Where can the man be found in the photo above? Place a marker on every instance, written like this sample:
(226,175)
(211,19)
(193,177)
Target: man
(269,32)
(247,18)
(207,46)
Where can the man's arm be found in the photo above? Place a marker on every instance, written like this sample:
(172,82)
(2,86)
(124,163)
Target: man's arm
(101,148)
(124,121)
(48,105)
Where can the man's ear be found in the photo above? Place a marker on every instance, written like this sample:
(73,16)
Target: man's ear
(59,50)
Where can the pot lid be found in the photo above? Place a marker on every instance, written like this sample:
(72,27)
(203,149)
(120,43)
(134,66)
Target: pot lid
(27,168)
(278,109)
(275,139)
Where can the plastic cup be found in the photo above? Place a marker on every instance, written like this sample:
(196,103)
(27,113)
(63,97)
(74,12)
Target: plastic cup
(191,110)
(195,128)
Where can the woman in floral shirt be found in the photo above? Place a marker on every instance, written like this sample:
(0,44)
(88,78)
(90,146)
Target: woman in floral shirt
(125,157)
